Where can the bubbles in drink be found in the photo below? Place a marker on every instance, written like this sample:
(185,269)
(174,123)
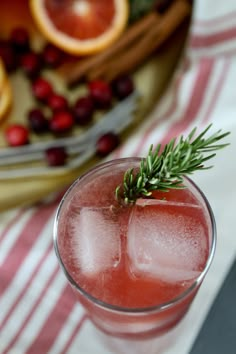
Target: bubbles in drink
(96,239)
(167,240)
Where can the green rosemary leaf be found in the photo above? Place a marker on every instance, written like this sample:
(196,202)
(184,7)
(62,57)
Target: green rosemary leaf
(140,182)
(149,163)
(187,156)
(200,136)
(192,133)
(165,170)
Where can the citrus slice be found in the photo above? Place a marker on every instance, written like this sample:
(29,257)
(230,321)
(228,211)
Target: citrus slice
(5,91)
(5,99)
(2,75)
(80,27)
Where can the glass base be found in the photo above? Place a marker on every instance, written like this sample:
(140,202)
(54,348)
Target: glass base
(158,345)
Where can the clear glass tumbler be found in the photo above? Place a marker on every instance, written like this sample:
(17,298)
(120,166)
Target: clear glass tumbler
(108,252)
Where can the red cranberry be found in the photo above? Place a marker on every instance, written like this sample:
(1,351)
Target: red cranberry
(19,39)
(8,56)
(122,86)
(31,64)
(107,143)
(83,110)
(56,156)
(17,135)
(52,56)
(37,121)
(101,93)
(61,122)
(57,102)
(42,89)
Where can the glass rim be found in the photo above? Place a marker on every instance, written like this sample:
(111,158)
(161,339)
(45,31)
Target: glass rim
(135,310)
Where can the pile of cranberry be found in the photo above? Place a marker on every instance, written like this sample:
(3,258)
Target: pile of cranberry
(17,53)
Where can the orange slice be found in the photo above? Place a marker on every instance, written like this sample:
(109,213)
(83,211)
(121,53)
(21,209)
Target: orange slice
(2,75)
(5,92)
(5,99)
(80,27)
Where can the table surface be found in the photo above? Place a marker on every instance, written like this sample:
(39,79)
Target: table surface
(38,310)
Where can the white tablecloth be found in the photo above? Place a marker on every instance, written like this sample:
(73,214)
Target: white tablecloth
(38,312)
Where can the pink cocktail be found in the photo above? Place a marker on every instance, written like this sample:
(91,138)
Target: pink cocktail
(135,268)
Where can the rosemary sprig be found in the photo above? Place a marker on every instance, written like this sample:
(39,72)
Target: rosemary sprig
(165,170)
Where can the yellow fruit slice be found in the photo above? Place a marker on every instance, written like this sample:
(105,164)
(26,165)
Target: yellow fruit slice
(5,98)
(81,27)
(2,75)
(5,91)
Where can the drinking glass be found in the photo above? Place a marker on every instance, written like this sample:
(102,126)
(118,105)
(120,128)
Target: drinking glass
(87,211)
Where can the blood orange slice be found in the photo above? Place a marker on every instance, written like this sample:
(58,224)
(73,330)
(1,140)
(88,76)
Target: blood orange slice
(80,27)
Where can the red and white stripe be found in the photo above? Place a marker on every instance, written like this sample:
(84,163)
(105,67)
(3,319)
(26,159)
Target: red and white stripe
(218,23)
(71,327)
(41,270)
(24,242)
(188,96)
(215,35)
(35,294)
(10,217)
(42,319)
(198,112)
(38,310)
(13,228)
(219,43)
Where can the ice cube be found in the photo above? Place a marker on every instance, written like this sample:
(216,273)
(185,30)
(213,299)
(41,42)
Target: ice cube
(96,240)
(167,240)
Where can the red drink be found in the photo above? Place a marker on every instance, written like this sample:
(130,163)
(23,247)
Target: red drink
(135,268)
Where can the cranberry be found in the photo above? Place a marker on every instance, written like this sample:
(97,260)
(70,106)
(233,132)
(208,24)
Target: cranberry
(56,156)
(62,121)
(37,121)
(107,143)
(42,89)
(8,56)
(17,135)
(31,64)
(101,93)
(52,56)
(122,86)
(57,102)
(19,38)
(83,110)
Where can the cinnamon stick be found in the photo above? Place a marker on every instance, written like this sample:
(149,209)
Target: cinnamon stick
(142,49)
(81,68)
